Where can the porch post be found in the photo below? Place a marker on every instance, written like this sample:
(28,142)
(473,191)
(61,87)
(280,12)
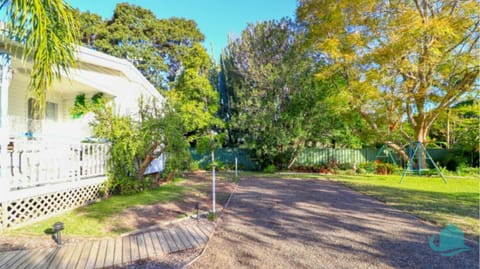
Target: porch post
(5,77)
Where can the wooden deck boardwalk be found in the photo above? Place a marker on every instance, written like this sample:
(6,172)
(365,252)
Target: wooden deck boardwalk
(112,252)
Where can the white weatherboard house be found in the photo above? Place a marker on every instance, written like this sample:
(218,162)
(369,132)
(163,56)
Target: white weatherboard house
(45,168)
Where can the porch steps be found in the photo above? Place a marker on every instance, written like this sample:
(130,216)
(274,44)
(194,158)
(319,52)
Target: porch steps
(107,253)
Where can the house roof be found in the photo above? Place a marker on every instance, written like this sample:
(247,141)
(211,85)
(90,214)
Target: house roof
(109,74)
(112,65)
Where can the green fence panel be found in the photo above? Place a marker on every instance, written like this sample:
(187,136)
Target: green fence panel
(309,156)
(319,156)
(227,156)
(438,154)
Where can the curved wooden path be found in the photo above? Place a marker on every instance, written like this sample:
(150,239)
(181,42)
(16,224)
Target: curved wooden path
(114,251)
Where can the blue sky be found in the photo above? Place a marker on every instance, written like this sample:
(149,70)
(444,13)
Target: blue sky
(215,18)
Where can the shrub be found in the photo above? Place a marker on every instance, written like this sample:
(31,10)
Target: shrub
(361,171)
(123,184)
(194,166)
(212,216)
(369,167)
(219,165)
(385,168)
(229,166)
(270,169)
(430,172)
(327,169)
(302,168)
(453,160)
(444,170)
(345,166)
(133,143)
(398,169)
(463,170)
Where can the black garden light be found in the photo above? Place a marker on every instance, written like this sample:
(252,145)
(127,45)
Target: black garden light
(58,228)
(197,207)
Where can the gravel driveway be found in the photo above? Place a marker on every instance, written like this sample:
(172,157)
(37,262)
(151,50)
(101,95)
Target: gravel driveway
(293,223)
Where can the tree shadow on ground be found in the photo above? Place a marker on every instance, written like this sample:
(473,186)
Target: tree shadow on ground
(330,223)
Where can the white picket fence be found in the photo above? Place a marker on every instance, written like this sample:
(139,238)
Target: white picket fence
(39,179)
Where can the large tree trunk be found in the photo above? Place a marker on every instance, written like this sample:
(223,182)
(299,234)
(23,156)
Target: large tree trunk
(398,149)
(421,135)
(148,159)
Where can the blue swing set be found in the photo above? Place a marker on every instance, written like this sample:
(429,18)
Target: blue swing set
(418,152)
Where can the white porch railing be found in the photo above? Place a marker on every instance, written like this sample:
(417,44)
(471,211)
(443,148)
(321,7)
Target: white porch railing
(34,163)
(40,179)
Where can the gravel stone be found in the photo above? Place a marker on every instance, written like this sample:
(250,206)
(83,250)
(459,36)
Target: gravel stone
(299,223)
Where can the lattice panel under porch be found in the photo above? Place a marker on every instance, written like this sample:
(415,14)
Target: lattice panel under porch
(30,209)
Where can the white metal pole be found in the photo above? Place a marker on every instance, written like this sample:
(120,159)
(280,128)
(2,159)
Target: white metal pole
(213,189)
(213,181)
(236,171)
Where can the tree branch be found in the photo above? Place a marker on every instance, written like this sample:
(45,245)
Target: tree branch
(461,87)
(454,5)
(408,75)
(367,117)
(411,119)
(419,9)
(467,36)
(397,149)
(432,11)
(473,44)
(147,161)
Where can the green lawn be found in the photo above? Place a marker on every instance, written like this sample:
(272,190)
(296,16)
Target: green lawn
(91,220)
(426,197)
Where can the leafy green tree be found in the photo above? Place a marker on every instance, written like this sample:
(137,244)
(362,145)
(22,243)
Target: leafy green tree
(134,143)
(457,128)
(398,59)
(169,54)
(271,98)
(157,47)
(465,121)
(47,29)
(125,144)
(90,24)
(194,97)
(162,131)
